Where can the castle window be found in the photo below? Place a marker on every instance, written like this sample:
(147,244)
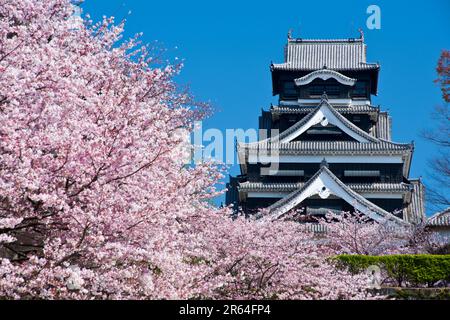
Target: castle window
(331,89)
(360,89)
(292,119)
(316,90)
(289,89)
(324,130)
(286,173)
(361,173)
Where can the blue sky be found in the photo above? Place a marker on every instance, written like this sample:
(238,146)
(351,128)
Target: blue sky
(227,47)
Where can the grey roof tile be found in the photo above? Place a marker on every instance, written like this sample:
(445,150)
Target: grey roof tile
(383,126)
(248,186)
(329,147)
(359,109)
(440,219)
(336,54)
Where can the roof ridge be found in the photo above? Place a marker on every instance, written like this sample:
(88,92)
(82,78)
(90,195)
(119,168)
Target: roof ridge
(294,184)
(318,40)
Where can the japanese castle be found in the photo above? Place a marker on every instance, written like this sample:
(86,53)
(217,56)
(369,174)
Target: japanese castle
(327,148)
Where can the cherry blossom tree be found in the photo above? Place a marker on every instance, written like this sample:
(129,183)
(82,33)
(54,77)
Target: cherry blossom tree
(278,260)
(91,183)
(438,193)
(355,233)
(95,200)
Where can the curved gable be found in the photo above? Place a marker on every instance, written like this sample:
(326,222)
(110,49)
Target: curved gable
(325,74)
(324,115)
(325,183)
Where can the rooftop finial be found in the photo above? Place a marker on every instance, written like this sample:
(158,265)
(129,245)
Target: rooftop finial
(289,34)
(324,96)
(324,163)
(361,34)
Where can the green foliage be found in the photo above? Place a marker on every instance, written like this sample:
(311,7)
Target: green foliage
(414,269)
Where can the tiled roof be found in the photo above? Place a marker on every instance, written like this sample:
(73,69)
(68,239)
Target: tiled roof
(327,147)
(374,145)
(363,109)
(415,212)
(336,54)
(383,126)
(291,186)
(440,219)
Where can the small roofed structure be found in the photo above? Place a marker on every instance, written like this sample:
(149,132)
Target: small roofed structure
(440,222)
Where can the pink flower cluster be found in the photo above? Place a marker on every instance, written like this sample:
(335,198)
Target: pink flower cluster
(355,233)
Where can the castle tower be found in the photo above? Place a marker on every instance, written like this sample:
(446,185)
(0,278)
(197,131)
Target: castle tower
(327,148)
